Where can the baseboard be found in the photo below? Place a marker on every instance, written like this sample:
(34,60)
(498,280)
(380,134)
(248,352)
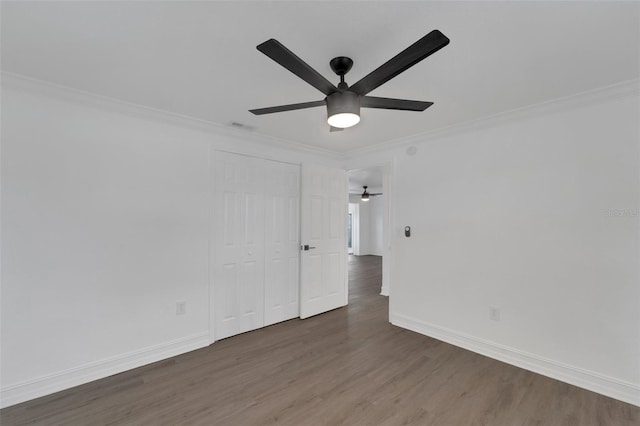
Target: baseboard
(384,291)
(25,391)
(608,386)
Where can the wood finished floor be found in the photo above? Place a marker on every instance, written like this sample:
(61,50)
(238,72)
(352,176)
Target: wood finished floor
(348,366)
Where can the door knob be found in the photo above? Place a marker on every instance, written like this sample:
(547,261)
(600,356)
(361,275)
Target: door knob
(306,247)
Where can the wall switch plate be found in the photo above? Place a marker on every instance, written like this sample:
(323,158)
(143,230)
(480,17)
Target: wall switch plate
(181,308)
(494,314)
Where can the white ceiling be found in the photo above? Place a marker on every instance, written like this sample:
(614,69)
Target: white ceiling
(371,176)
(199,59)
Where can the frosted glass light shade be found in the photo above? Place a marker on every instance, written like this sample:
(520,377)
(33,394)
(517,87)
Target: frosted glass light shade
(344,120)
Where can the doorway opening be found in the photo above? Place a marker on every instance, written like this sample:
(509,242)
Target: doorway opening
(368,231)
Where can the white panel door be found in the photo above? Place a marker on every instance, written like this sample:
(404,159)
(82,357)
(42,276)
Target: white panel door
(282,242)
(239,244)
(323,268)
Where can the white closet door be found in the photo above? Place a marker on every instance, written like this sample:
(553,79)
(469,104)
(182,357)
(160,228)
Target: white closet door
(323,277)
(239,244)
(282,242)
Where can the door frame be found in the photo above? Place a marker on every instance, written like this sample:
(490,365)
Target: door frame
(388,167)
(355,228)
(388,182)
(213,216)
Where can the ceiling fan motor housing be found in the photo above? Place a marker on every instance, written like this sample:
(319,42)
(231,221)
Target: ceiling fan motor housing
(343,103)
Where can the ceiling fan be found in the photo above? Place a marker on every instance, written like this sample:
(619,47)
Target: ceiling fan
(366,194)
(344,102)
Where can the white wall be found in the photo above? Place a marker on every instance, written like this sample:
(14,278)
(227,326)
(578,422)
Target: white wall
(520,216)
(376,225)
(105,226)
(364,229)
(105,217)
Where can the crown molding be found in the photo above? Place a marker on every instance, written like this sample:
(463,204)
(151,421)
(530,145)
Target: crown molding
(615,91)
(91,99)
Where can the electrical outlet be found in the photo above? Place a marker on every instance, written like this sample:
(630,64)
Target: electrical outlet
(181,308)
(494,314)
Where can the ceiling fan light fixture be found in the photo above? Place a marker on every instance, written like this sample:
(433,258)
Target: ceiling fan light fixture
(365,194)
(343,109)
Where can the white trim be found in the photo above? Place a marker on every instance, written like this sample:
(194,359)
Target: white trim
(618,90)
(211,260)
(45,385)
(393,167)
(57,91)
(355,225)
(596,382)
(590,97)
(387,233)
(354,210)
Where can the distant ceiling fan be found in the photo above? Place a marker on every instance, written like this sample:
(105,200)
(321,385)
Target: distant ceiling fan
(344,102)
(366,194)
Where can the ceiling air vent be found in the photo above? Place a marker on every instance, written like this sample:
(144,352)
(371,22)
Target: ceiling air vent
(241,126)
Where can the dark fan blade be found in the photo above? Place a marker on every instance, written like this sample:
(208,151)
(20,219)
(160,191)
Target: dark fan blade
(389,103)
(335,129)
(372,194)
(413,54)
(276,51)
(290,107)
